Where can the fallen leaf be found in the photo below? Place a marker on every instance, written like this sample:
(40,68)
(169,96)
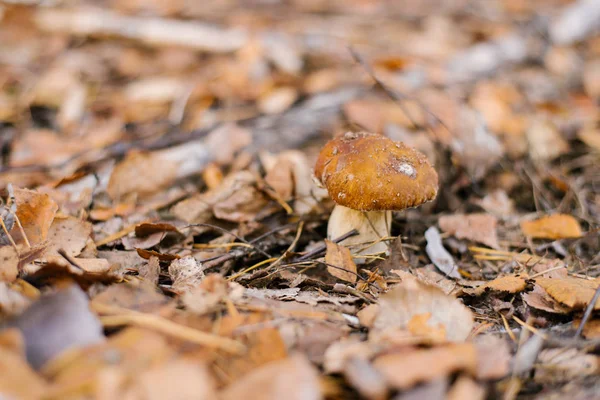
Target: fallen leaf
(150,271)
(505,284)
(292,378)
(439,255)
(556,226)
(545,141)
(591,329)
(362,376)
(576,293)
(339,256)
(563,365)
(186,274)
(69,234)
(493,357)
(141,174)
(539,299)
(9,264)
(277,100)
(476,227)
(497,203)
(405,369)
(411,298)
(36,212)
(57,322)
(466,388)
(17,379)
(178,379)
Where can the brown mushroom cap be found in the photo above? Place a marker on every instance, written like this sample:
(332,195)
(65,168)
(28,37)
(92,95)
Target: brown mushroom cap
(368,172)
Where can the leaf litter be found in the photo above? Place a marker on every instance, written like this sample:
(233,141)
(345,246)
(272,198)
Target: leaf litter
(163,235)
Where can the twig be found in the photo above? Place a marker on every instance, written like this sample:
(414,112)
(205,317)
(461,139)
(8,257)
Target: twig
(264,253)
(129,317)
(588,312)
(69,259)
(322,247)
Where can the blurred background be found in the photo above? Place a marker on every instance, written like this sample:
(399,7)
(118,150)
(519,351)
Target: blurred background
(473,84)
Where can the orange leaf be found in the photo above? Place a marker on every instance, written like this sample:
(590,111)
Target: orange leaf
(557,226)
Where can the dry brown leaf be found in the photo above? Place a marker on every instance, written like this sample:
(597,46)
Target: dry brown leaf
(505,284)
(405,369)
(556,226)
(293,378)
(36,212)
(9,264)
(493,357)
(186,274)
(562,365)
(279,177)
(466,388)
(141,174)
(540,300)
(591,330)
(150,271)
(69,234)
(410,298)
(545,141)
(178,379)
(339,256)
(17,379)
(575,293)
(237,199)
(418,326)
(590,135)
(477,227)
(277,100)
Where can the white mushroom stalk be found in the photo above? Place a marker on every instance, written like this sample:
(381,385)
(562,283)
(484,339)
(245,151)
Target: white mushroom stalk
(372,227)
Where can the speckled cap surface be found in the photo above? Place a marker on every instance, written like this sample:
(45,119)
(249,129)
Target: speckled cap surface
(369,172)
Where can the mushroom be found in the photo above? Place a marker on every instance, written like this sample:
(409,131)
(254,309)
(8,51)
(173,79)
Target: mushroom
(368,176)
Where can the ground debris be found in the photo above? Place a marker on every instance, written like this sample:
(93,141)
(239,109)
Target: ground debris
(162,233)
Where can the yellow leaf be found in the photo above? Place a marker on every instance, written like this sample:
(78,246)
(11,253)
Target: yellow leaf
(340,257)
(557,226)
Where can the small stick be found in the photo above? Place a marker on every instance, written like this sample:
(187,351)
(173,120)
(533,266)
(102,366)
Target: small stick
(69,259)
(321,248)
(588,312)
(10,239)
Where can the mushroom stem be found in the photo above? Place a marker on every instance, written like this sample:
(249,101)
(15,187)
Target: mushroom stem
(371,226)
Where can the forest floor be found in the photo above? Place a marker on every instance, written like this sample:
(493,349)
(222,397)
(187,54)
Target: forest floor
(163,234)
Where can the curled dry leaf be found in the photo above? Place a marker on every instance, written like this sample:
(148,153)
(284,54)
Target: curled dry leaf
(410,299)
(557,226)
(539,299)
(405,369)
(575,293)
(339,256)
(236,200)
(476,227)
